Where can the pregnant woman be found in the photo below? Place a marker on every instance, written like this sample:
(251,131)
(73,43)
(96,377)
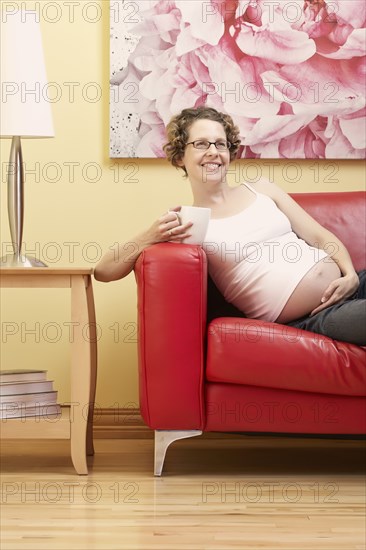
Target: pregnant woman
(266,255)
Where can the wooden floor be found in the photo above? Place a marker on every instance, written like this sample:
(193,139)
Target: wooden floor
(242,493)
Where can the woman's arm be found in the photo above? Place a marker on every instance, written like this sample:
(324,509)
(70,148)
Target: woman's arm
(120,261)
(308,229)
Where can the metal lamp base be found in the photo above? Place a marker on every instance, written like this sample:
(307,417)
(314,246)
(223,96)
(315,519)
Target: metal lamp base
(16,210)
(14,260)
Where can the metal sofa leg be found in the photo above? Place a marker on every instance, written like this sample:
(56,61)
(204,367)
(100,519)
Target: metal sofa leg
(163,438)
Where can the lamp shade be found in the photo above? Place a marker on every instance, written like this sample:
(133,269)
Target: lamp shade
(25,110)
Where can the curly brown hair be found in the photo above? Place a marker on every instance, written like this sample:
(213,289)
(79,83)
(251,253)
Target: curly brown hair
(178,127)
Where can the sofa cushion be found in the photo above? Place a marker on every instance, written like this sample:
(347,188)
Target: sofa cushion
(257,353)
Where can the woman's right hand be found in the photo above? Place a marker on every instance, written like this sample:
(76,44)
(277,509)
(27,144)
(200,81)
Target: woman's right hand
(120,261)
(168,228)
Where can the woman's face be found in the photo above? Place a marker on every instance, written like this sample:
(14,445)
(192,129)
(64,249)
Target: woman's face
(210,165)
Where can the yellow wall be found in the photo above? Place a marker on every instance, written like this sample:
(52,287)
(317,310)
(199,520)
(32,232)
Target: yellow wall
(92,215)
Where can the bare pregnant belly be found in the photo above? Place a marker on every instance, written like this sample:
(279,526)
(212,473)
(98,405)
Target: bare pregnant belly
(308,293)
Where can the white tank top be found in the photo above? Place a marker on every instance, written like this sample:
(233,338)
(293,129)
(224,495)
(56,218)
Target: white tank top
(256,260)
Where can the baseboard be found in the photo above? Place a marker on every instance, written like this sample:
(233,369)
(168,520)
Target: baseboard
(125,423)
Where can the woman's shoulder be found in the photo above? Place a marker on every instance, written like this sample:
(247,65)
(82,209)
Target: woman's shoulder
(267,187)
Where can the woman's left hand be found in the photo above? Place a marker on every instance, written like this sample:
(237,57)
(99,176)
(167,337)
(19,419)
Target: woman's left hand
(338,290)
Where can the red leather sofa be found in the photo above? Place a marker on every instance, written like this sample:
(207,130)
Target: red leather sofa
(204,367)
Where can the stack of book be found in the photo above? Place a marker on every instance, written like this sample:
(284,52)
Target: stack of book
(27,393)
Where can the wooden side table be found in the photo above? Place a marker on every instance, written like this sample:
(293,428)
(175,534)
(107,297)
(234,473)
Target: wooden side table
(76,421)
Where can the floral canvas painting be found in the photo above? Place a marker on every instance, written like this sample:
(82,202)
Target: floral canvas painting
(290,73)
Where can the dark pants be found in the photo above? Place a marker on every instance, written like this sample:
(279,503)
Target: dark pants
(345,321)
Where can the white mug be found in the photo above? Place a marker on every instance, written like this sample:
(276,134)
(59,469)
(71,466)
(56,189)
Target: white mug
(200,218)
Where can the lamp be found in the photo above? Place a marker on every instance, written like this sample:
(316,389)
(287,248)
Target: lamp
(24,112)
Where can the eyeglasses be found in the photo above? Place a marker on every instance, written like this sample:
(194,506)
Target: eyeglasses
(204,144)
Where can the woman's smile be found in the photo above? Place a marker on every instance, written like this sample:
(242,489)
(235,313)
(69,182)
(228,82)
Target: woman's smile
(211,166)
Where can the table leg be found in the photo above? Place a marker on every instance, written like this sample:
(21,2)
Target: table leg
(80,372)
(93,365)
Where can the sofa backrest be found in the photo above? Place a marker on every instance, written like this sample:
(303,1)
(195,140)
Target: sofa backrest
(344,214)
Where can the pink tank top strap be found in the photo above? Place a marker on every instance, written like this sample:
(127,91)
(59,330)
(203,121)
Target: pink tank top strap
(250,187)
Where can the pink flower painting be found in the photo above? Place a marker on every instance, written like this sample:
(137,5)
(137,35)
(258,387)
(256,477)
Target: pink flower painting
(290,73)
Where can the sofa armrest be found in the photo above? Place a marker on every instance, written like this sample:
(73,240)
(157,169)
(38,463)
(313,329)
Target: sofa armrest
(172,302)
